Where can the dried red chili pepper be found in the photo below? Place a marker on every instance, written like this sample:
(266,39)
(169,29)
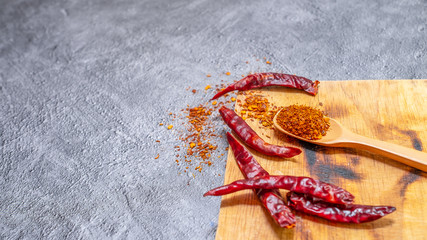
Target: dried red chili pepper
(249,136)
(258,80)
(246,162)
(270,198)
(325,191)
(351,213)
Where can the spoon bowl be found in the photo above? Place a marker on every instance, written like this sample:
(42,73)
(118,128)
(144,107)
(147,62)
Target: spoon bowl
(333,136)
(339,136)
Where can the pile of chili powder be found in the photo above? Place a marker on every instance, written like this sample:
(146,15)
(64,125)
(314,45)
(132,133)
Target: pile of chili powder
(303,121)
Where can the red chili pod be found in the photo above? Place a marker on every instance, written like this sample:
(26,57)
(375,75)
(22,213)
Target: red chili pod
(270,198)
(325,191)
(351,213)
(259,80)
(249,136)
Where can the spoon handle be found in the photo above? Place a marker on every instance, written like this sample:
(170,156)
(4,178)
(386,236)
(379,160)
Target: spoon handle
(408,156)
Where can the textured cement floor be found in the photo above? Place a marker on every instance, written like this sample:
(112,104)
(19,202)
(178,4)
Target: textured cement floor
(85,84)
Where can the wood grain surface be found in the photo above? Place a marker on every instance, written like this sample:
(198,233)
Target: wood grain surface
(391,110)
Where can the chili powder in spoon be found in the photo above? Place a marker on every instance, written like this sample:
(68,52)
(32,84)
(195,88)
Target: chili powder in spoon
(303,121)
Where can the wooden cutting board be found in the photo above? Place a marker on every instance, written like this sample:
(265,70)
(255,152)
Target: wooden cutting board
(393,111)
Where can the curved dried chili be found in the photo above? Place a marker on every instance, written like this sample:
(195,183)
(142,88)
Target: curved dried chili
(351,213)
(259,80)
(315,188)
(249,136)
(270,198)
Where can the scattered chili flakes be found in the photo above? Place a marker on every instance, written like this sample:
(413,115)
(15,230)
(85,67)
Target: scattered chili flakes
(194,91)
(257,107)
(158,155)
(227,73)
(268,62)
(199,132)
(170,127)
(198,135)
(160,124)
(303,121)
(208,75)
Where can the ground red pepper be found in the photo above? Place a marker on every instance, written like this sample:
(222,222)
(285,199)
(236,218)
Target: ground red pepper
(259,80)
(325,191)
(303,121)
(350,213)
(249,136)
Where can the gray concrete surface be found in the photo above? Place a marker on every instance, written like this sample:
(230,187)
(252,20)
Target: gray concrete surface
(84,85)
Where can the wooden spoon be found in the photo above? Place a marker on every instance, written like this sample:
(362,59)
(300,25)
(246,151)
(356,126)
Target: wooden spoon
(338,136)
